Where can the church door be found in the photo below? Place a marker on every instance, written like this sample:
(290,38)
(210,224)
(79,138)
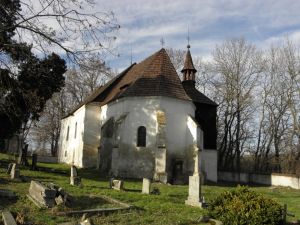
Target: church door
(177,171)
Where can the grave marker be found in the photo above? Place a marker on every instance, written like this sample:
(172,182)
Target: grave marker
(146,186)
(15,171)
(118,185)
(74,178)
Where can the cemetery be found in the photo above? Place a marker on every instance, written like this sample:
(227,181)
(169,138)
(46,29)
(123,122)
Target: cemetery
(49,196)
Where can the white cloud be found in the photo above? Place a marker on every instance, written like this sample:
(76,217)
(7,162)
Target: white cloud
(145,22)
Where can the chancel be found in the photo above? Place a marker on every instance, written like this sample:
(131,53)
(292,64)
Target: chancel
(144,123)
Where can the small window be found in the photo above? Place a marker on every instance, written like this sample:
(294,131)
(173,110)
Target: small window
(75,130)
(68,130)
(141,136)
(66,153)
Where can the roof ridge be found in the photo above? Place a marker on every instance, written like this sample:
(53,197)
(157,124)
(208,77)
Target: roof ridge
(99,90)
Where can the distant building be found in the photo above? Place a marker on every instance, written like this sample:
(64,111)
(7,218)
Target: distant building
(145,122)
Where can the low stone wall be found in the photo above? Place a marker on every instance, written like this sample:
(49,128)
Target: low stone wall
(273,179)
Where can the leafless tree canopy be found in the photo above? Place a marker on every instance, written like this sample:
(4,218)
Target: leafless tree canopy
(259,104)
(72,28)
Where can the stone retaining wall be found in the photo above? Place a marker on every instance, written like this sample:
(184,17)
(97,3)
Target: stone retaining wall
(273,179)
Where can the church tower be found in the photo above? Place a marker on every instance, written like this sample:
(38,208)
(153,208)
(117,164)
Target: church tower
(188,71)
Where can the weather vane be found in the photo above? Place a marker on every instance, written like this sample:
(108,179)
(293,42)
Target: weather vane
(162,42)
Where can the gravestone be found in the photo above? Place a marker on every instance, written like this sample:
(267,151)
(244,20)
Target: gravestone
(146,186)
(8,219)
(118,185)
(41,194)
(194,198)
(74,178)
(34,161)
(15,171)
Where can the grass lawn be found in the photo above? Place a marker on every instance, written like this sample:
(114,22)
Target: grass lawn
(166,208)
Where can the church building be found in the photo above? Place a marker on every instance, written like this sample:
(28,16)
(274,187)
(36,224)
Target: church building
(145,122)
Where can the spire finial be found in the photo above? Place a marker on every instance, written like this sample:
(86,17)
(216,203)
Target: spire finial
(188,38)
(162,42)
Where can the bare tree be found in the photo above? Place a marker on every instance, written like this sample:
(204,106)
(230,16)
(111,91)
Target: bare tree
(237,65)
(79,84)
(71,28)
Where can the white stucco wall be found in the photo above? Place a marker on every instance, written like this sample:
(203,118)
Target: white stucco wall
(70,149)
(91,135)
(181,132)
(142,111)
(271,179)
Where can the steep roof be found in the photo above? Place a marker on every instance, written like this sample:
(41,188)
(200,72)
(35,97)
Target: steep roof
(188,62)
(154,76)
(195,95)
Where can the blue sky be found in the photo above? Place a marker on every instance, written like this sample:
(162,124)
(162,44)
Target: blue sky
(145,22)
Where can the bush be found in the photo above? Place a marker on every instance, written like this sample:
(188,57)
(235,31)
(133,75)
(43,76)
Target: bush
(245,207)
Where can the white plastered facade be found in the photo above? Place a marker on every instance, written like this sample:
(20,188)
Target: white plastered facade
(118,152)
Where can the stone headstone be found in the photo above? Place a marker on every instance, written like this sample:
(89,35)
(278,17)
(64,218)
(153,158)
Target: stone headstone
(59,200)
(41,194)
(8,219)
(194,198)
(146,186)
(15,171)
(118,185)
(74,178)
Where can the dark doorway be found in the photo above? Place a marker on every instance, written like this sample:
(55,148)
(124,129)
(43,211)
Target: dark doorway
(177,171)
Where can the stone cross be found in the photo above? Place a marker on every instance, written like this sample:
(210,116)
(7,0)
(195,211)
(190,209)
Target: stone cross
(194,198)
(197,162)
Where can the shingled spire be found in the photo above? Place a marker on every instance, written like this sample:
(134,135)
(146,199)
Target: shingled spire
(188,70)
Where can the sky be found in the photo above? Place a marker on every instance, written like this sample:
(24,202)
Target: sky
(210,22)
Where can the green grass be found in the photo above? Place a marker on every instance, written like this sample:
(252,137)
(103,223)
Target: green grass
(166,208)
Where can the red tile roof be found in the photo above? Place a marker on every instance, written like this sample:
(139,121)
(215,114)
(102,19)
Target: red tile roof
(154,76)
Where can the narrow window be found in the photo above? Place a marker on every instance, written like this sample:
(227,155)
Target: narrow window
(65,153)
(75,130)
(141,136)
(68,130)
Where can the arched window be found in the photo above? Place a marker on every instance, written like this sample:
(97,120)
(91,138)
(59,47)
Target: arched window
(75,130)
(141,137)
(68,130)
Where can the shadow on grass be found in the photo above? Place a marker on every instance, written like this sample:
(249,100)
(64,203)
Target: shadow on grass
(5,202)
(132,190)
(89,202)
